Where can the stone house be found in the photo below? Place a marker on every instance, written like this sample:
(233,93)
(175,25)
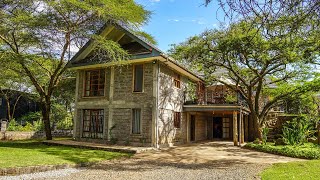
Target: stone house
(150,100)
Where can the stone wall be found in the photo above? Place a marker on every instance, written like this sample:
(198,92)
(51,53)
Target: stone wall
(170,100)
(118,102)
(17,135)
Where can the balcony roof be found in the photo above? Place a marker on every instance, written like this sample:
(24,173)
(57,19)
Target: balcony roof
(215,107)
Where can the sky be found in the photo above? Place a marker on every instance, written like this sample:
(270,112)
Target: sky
(173,21)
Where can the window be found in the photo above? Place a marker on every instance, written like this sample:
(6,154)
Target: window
(226,126)
(94,83)
(138,78)
(93,123)
(176,80)
(136,121)
(176,119)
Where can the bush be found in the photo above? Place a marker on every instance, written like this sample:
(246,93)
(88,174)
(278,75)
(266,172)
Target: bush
(14,126)
(265,132)
(38,125)
(307,151)
(31,117)
(60,117)
(66,123)
(297,131)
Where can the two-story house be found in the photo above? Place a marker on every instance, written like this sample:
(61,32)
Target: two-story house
(147,100)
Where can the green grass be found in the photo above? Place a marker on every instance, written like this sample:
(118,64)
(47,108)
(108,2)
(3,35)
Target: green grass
(307,151)
(293,170)
(33,153)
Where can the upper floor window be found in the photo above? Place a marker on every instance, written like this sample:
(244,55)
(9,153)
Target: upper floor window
(176,80)
(177,119)
(94,82)
(138,78)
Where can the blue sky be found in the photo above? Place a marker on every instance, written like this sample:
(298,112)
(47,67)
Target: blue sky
(173,21)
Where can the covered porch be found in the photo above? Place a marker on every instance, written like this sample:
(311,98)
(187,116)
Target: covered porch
(228,122)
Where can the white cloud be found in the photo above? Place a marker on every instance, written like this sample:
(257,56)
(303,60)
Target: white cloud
(154,0)
(173,20)
(200,21)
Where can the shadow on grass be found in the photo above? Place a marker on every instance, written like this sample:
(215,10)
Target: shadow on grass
(73,155)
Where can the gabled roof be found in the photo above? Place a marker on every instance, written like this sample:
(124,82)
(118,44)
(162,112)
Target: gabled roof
(138,48)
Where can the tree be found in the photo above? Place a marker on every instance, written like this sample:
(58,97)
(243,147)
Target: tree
(38,37)
(286,17)
(12,88)
(260,67)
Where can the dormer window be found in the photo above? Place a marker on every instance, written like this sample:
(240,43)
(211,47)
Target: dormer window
(176,80)
(94,83)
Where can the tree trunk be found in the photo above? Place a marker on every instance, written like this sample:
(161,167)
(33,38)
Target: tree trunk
(257,128)
(46,107)
(8,108)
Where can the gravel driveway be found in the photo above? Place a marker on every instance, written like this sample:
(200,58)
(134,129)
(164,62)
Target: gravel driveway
(211,160)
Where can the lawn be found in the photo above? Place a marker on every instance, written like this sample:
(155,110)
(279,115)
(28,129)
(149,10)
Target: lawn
(293,170)
(32,153)
(306,151)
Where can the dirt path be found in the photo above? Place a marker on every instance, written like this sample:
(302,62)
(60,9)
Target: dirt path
(212,160)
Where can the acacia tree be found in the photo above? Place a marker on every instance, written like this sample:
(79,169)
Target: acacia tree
(38,37)
(275,18)
(12,88)
(260,67)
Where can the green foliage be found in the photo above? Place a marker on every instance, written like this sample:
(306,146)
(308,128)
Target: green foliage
(38,125)
(265,132)
(13,126)
(31,116)
(307,151)
(230,98)
(262,66)
(36,36)
(66,123)
(297,131)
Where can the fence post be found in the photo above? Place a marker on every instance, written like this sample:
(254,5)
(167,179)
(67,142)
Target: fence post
(3,125)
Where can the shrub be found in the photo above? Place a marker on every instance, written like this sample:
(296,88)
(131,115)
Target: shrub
(27,127)
(297,131)
(38,125)
(66,123)
(30,117)
(13,126)
(265,132)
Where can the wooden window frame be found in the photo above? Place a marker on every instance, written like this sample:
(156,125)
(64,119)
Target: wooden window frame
(89,127)
(177,80)
(132,119)
(177,119)
(101,84)
(133,78)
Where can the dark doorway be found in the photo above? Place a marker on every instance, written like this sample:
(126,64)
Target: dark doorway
(217,127)
(192,128)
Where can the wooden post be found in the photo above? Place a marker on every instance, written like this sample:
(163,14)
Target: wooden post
(242,128)
(235,128)
(246,125)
